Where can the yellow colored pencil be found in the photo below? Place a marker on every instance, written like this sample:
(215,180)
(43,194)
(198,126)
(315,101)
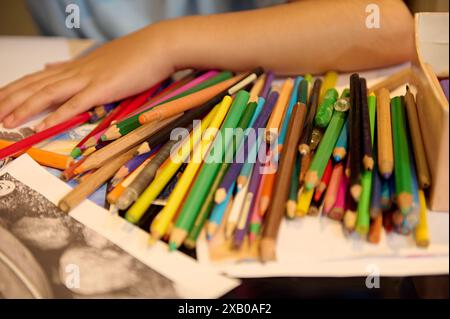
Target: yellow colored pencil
(422,232)
(162,221)
(304,201)
(173,164)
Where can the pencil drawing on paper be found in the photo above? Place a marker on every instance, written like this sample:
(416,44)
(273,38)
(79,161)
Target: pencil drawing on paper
(46,253)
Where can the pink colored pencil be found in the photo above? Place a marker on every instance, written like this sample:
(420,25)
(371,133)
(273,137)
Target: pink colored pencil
(333,187)
(337,212)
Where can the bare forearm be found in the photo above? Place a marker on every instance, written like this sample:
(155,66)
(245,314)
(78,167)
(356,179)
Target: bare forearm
(306,36)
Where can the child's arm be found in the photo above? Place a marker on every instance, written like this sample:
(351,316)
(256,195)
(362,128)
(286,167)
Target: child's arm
(306,36)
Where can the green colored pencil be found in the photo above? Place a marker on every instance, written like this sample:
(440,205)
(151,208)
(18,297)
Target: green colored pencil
(209,201)
(130,124)
(363,212)
(402,165)
(325,149)
(291,205)
(202,185)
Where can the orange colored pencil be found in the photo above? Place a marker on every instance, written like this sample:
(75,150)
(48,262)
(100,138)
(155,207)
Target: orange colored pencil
(45,158)
(186,103)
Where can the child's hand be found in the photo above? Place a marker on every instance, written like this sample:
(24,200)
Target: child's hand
(117,70)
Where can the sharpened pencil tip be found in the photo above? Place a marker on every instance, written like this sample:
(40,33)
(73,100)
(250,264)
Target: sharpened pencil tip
(76,152)
(104,138)
(337,158)
(172,246)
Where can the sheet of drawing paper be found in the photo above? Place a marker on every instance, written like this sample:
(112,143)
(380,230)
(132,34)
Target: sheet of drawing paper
(190,279)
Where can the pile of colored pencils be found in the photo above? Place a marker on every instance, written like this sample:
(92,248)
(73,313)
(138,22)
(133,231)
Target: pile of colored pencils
(216,152)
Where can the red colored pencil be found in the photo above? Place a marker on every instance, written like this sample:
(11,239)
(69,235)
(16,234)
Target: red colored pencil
(28,142)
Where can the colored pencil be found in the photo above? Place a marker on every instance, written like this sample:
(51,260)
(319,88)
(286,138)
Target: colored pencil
(363,211)
(324,182)
(133,139)
(126,169)
(367,159)
(274,122)
(326,108)
(291,205)
(236,209)
(206,176)
(355,136)
(257,88)
(163,177)
(350,214)
(304,167)
(324,151)
(402,169)
(375,198)
(115,194)
(242,154)
(93,182)
(309,123)
(217,214)
(329,82)
(133,122)
(376,225)
(423,172)
(338,210)
(294,98)
(45,158)
(385,149)
(161,223)
(28,142)
(267,85)
(386,198)
(422,232)
(332,192)
(304,200)
(287,160)
(340,150)
(101,111)
(186,103)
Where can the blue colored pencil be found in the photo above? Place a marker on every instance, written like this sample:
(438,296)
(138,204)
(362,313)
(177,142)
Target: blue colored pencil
(249,205)
(375,200)
(340,150)
(217,214)
(386,194)
(287,116)
(258,110)
(235,168)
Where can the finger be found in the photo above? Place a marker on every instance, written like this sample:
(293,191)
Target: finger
(81,102)
(26,80)
(18,97)
(53,65)
(51,95)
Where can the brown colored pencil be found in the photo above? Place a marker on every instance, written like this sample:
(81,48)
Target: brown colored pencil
(100,157)
(423,171)
(94,181)
(384,134)
(287,161)
(305,140)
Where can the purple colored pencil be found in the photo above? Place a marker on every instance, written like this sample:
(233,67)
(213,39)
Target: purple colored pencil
(267,85)
(249,205)
(235,168)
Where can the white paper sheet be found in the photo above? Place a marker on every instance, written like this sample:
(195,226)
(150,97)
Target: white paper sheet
(192,279)
(314,246)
